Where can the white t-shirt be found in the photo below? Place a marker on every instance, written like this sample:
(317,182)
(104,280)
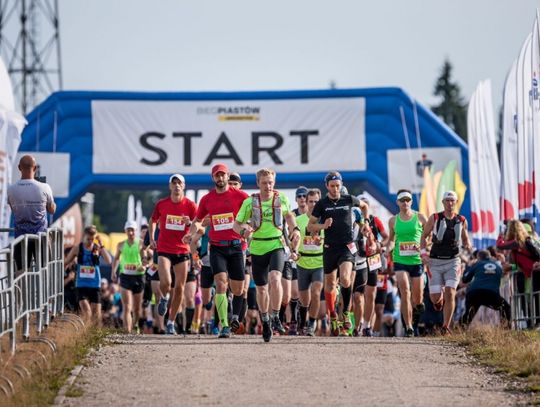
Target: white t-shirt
(28,200)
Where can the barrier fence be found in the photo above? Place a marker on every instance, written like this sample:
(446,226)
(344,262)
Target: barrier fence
(525,300)
(33,283)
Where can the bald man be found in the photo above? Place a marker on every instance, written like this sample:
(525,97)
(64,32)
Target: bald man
(30,201)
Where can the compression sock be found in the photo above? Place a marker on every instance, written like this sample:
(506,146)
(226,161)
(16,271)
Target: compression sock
(303,315)
(330,298)
(346,295)
(282,311)
(237,302)
(294,306)
(243,310)
(221,305)
(189,317)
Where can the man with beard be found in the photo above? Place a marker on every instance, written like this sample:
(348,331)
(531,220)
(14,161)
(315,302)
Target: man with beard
(226,255)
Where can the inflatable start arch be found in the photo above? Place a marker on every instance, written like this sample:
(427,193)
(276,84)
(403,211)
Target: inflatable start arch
(379,139)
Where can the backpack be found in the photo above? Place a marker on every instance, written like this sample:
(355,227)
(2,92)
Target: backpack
(533,247)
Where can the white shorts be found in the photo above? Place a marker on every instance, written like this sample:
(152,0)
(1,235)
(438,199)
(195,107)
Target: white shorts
(444,273)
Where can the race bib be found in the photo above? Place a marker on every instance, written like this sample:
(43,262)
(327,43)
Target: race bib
(381,280)
(352,248)
(409,249)
(174,222)
(223,221)
(374,262)
(130,269)
(311,244)
(87,272)
(152,270)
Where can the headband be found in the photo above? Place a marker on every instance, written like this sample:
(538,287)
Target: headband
(404,194)
(332,177)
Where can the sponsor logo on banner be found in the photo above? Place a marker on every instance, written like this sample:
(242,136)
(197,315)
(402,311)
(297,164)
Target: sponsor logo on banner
(159,137)
(405,166)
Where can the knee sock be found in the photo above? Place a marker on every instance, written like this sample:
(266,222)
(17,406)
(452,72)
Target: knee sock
(294,306)
(282,311)
(303,316)
(222,304)
(346,295)
(330,298)
(237,302)
(189,317)
(243,310)
(216,317)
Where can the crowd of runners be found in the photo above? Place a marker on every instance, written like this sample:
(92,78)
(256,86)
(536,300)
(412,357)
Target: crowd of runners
(252,264)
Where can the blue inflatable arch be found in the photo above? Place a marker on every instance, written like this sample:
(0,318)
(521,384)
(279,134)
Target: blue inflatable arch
(395,127)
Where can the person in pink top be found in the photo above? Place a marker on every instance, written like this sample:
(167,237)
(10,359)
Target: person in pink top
(227,258)
(174,215)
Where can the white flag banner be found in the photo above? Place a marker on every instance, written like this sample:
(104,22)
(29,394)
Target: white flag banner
(524,129)
(474,171)
(509,173)
(535,110)
(164,137)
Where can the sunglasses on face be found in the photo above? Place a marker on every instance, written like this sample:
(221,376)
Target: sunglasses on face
(301,196)
(312,202)
(404,200)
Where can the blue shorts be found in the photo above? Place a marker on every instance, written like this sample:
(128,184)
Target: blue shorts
(415,270)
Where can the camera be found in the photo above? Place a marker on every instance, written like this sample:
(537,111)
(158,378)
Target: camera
(38,177)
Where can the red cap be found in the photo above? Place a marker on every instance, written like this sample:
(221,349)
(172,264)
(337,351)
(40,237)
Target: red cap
(219,168)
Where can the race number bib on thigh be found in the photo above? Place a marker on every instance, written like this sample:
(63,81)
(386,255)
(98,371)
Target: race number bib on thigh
(374,262)
(409,249)
(87,272)
(174,222)
(223,221)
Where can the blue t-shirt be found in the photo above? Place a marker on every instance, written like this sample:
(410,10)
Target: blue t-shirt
(485,275)
(88,274)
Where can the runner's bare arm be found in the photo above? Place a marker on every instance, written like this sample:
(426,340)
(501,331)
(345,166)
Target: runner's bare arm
(428,229)
(465,237)
(116,260)
(314,227)
(295,231)
(243,229)
(71,256)
(151,234)
(391,235)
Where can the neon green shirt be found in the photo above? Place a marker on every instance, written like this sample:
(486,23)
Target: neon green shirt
(130,259)
(309,246)
(267,229)
(408,234)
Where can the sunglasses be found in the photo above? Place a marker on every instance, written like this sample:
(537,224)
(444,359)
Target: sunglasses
(301,196)
(312,202)
(404,200)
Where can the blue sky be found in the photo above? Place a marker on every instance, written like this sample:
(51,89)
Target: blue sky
(245,45)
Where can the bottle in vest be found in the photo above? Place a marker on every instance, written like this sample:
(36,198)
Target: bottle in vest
(446,236)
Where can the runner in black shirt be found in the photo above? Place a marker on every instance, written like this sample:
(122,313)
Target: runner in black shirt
(334,214)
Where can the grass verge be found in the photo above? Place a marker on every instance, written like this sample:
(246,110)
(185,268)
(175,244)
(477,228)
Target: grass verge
(47,378)
(516,353)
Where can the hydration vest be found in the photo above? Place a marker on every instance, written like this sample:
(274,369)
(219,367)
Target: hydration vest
(446,236)
(257,212)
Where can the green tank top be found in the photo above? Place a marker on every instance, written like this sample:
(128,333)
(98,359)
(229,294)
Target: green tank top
(310,250)
(130,259)
(407,247)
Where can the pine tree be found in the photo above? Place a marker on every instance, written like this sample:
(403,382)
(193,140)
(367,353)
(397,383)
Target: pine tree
(452,110)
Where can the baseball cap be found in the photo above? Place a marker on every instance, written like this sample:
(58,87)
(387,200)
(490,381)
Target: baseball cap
(450,195)
(301,190)
(235,177)
(180,177)
(104,281)
(130,224)
(219,168)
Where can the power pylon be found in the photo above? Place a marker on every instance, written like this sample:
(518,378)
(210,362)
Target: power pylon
(30,47)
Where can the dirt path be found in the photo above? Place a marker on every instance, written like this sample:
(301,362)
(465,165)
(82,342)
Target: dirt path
(244,371)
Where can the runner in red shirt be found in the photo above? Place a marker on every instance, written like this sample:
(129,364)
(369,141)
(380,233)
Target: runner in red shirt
(226,254)
(174,215)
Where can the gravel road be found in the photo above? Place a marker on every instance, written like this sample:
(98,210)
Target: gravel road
(289,371)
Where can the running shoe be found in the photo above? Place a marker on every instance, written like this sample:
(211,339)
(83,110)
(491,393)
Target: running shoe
(334,327)
(162,306)
(343,331)
(225,332)
(310,331)
(346,321)
(170,329)
(266,331)
(409,332)
(355,332)
(235,324)
(445,331)
(367,332)
(277,326)
(215,331)
(293,329)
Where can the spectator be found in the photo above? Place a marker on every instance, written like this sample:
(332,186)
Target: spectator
(484,289)
(30,201)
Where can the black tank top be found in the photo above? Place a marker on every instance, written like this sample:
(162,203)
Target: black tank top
(448,246)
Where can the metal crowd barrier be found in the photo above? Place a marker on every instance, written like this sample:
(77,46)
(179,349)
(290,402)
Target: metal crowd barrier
(37,289)
(525,301)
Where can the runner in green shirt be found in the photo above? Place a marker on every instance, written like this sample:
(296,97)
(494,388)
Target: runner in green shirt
(266,212)
(310,267)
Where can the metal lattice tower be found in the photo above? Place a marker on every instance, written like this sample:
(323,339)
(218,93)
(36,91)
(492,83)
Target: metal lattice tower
(30,47)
